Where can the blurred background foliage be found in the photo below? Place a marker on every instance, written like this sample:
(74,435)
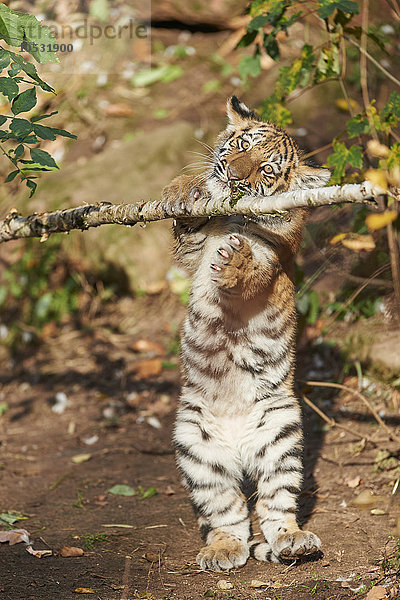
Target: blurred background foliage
(143,108)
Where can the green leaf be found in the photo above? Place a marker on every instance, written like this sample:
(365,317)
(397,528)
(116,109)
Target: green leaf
(250,65)
(64,133)
(271,46)
(11,176)
(14,69)
(341,157)
(327,7)
(338,160)
(274,111)
(32,186)
(390,113)
(46,133)
(149,493)
(12,517)
(122,490)
(3,119)
(25,101)
(4,59)
(41,117)
(257,23)
(43,158)
(24,30)
(19,151)
(328,63)
(357,125)
(355,157)
(8,87)
(393,158)
(30,70)
(20,127)
(247,39)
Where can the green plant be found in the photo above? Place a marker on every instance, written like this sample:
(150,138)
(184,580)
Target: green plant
(149,493)
(91,540)
(390,562)
(39,287)
(336,48)
(318,586)
(79,501)
(19,135)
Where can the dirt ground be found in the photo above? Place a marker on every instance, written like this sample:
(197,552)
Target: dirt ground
(121,416)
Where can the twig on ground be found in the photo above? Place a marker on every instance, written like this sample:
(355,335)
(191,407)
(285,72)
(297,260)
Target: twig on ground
(363,399)
(44,224)
(332,423)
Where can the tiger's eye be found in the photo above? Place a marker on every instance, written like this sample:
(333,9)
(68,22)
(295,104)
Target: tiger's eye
(267,169)
(243,144)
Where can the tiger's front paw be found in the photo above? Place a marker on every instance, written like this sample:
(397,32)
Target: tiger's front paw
(221,556)
(296,544)
(232,263)
(182,194)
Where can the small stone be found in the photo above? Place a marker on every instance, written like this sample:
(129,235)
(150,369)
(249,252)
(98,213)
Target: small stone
(256,583)
(325,563)
(223,584)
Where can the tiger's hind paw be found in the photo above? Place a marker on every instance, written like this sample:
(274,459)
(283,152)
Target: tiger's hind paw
(296,544)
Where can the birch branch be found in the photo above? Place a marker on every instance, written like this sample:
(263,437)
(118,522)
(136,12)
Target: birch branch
(43,225)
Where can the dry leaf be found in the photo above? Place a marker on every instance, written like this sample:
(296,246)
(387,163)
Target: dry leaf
(256,583)
(223,584)
(147,368)
(39,553)
(377,511)
(80,458)
(148,346)
(375,148)
(365,498)
(278,584)
(169,491)
(357,242)
(337,238)
(152,557)
(353,483)
(118,110)
(377,177)
(84,591)
(343,105)
(376,593)
(14,536)
(68,551)
(100,500)
(375,221)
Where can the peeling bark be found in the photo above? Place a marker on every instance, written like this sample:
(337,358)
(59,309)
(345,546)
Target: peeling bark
(43,225)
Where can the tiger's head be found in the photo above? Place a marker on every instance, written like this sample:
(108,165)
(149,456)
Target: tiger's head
(258,158)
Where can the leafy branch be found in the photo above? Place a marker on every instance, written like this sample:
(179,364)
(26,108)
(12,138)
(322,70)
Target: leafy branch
(19,134)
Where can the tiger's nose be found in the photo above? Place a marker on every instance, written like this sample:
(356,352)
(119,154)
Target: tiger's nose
(231,175)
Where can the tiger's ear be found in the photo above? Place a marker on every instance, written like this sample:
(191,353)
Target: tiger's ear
(238,113)
(308,176)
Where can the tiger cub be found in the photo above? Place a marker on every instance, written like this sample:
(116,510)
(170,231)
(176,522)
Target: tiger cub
(238,425)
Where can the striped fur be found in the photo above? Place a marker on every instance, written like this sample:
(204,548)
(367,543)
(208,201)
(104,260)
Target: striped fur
(238,423)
